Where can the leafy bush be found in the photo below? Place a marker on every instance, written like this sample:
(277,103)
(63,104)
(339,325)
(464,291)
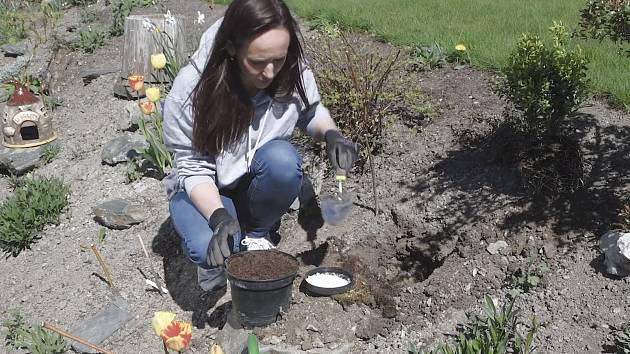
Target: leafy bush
(606,19)
(545,83)
(352,84)
(495,333)
(35,340)
(90,40)
(39,201)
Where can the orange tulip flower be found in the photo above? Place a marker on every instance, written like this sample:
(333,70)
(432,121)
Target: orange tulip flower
(136,82)
(147,107)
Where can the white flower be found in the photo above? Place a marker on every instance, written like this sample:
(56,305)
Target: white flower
(201,18)
(169,18)
(147,24)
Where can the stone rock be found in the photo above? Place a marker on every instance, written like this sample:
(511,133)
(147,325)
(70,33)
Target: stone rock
(231,339)
(20,160)
(13,50)
(89,74)
(122,149)
(495,247)
(119,214)
(13,69)
(273,340)
(342,348)
(615,244)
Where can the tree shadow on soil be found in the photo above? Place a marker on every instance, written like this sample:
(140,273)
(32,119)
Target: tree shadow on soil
(181,276)
(472,185)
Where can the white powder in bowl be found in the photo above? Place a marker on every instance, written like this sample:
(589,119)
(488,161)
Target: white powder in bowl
(327,280)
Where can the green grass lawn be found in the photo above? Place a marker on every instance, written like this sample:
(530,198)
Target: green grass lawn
(489,29)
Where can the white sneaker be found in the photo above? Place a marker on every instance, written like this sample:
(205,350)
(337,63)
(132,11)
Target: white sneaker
(258,243)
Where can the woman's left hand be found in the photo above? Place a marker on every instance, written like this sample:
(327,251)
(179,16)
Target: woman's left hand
(341,151)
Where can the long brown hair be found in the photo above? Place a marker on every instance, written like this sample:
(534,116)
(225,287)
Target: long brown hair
(222,109)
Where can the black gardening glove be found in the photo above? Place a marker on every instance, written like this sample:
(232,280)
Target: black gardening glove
(341,152)
(223,226)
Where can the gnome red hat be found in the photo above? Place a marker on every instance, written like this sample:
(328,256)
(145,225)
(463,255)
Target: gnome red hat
(21,96)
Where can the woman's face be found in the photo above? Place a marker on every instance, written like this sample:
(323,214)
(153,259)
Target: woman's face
(261,58)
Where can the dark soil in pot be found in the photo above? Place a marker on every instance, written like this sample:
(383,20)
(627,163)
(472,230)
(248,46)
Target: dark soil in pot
(262,265)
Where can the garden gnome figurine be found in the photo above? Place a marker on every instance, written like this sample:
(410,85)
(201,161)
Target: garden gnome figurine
(616,247)
(25,122)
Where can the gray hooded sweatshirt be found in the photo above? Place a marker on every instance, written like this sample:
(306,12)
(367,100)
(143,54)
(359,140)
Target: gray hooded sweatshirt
(271,120)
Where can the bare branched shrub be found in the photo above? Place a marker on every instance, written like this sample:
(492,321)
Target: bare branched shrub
(352,82)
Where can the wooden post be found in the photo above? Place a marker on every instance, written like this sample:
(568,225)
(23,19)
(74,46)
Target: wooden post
(143,35)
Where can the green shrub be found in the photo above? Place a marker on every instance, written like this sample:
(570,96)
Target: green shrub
(622,339)
(90,40)
(34,340)
(37,202)
(527,278)
(606,19)
(545,83)
(495,333)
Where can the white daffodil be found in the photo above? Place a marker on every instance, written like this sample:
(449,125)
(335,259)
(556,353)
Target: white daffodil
(201,18)
(169,18)
(147,24)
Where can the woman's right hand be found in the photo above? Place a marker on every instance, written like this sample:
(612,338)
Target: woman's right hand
(223,226)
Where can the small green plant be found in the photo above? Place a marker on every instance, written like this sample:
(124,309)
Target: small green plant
(34,340)
(622,339)
(325,27)
(12,22)
(133,171)
(35,203)
(606,19)
(156,153)
(429,57)
(526,278)
(50,151)
(494,333)
(122,9)
(88,15)
(544,83)
(90,40)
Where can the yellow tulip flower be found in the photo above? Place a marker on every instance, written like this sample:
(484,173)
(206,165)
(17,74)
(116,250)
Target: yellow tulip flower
(158,61)
(161,320)
(460,47)
(153,93)
(216,349)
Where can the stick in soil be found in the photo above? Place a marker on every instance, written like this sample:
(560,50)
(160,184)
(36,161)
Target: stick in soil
(62,333)
(373,184)
(103,266)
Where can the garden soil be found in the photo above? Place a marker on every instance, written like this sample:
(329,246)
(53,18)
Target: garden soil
(421,264)
(261,265)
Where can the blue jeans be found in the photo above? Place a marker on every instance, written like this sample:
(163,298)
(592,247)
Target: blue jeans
(259,200)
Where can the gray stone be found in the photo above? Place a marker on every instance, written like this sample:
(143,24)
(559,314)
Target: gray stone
(122,149)
(343,348)
(232,339)
(20,160)
(13,69)
(119,214)
(615,262)
(495,247)
(89,74)
(13,50)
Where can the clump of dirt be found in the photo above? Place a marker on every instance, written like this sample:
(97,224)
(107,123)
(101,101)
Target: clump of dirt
(262,265)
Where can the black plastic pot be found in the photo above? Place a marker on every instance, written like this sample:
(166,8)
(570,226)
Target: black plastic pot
(257,303)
